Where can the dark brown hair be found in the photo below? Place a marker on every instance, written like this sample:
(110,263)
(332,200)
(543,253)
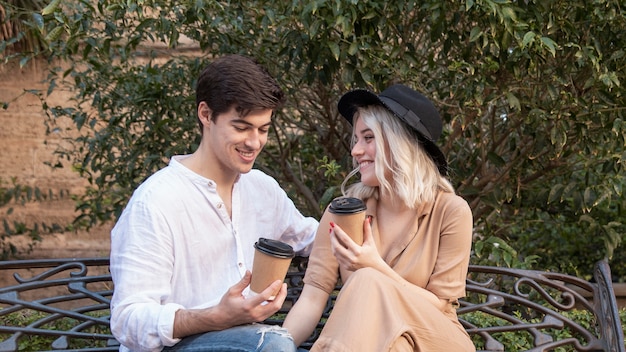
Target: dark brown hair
(239,81)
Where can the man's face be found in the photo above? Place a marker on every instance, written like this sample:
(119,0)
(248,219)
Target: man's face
(236,141)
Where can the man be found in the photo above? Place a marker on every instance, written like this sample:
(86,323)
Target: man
(182,250)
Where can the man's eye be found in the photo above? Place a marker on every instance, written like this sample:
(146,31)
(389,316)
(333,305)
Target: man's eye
(239,128)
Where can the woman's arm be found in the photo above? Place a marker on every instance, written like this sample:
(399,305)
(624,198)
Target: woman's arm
(306,313)
(353,257)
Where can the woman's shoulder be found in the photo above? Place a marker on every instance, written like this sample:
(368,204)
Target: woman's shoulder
(449,200)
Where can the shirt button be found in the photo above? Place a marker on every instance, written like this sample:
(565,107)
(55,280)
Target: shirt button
(220,205)
(240,265)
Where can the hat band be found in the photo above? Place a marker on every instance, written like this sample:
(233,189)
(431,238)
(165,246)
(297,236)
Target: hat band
(408,116)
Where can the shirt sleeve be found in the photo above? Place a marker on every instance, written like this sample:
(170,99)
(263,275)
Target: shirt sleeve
(141,267)
(295,229)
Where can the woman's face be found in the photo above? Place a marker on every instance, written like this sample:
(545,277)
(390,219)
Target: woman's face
(364,151)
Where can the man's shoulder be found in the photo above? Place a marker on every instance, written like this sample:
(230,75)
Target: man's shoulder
(162,183)
(159,176)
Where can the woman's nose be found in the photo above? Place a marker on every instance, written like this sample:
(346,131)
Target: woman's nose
(356,150)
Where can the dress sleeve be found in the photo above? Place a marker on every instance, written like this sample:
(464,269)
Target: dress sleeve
(323,268)
(455,241)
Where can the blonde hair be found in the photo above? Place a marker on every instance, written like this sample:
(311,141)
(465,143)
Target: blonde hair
(415,178)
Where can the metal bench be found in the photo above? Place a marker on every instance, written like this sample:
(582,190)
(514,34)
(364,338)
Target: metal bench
(63,305)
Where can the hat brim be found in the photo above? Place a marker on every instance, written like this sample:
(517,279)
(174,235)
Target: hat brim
(352,100)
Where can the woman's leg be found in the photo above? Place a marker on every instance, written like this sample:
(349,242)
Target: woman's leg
(402,344)
(373,311)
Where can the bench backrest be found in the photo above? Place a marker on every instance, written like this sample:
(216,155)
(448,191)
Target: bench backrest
(64,303)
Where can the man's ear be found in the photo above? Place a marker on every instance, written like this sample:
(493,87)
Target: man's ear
(204,114)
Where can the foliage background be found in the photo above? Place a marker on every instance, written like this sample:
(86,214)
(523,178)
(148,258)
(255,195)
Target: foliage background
(531,92)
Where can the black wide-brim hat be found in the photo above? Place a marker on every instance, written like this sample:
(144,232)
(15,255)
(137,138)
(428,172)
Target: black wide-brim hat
(411,107)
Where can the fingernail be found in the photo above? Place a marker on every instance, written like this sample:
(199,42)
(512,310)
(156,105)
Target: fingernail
(332,224)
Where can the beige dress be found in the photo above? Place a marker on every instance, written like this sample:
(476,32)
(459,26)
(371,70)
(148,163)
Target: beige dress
(376,313)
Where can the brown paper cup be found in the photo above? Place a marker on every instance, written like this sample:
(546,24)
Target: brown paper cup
(271,262)
(349,214)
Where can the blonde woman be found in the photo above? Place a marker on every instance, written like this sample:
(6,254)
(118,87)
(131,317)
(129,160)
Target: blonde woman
(401,287)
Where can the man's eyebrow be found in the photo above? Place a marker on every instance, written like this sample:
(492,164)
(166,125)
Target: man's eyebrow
(244,122)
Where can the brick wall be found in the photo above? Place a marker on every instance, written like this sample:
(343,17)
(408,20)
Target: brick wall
(25,150)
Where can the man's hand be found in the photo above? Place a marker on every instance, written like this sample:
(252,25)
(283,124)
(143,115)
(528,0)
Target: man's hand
(255,308)
(234,309)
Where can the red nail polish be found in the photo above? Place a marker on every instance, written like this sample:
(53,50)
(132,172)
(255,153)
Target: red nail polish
(332,224)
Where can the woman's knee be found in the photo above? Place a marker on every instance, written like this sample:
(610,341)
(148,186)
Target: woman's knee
(365,275)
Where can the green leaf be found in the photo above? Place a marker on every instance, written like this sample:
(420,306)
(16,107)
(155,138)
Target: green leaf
(52,6)
(550,44)
(24,61)
(555,193)
(334,48)
(509,13)
(39,22)
(589,197)
(475,33)
(513,101)
(529,37)
(55,34)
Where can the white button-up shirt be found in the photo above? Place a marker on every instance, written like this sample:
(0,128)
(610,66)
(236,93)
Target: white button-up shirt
(175,246)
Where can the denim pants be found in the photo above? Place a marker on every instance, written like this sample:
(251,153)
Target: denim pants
(244,338)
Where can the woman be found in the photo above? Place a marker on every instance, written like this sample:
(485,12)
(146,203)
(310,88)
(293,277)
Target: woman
(401,287)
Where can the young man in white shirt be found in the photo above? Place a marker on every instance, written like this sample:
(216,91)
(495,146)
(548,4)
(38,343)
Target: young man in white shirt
(182,250)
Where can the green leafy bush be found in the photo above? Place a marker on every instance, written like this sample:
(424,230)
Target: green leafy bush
(533,103)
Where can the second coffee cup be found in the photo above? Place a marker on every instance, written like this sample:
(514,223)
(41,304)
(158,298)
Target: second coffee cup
(349,214)
(271,262)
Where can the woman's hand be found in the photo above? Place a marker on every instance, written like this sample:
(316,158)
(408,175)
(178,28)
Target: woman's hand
(350,255)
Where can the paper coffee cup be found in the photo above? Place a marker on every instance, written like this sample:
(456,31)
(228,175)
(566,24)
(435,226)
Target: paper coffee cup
(271,262)
(349,214)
